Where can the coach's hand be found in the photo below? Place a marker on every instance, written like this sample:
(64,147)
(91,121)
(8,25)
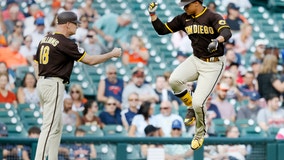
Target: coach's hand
(116,52)
(152,7)
(212,47)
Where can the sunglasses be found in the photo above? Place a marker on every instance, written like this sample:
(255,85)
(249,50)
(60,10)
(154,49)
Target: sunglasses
(74,92)
(19,26)
(109,104)
(111,73)
(176,129)
(228,77)
(164,108)
(133,99)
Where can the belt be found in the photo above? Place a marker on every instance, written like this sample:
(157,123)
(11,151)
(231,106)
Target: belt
(210,59)
(54,78)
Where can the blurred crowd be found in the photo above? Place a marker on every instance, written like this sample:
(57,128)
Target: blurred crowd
(250,90)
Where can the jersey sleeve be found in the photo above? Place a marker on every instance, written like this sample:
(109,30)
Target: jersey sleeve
(175,24)
(219,22)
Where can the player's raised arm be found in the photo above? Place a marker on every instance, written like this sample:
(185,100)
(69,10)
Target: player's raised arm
(158,25)
(96,59)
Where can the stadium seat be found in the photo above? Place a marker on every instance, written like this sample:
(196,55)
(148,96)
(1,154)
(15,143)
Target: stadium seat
(253,131)
(68,131)
(16,130)
(92,130)
(244,123)
(114,130)
(133,152)
(272,131)
(104,151)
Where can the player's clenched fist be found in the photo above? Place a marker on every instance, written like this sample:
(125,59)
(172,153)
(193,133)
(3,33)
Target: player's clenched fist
(152,7)
(116,52)
(212,47)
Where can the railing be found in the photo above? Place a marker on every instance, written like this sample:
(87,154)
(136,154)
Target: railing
(271,149)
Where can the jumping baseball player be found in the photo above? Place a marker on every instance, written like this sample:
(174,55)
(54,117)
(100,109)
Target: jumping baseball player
(54,62)
(207,31)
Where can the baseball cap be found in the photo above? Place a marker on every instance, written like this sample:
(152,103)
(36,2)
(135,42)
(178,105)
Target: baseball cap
(186,2)
(176,124)
(8,2)
(3,130)
(259,42)
(180,53)
(233,6)
(254,96)
(138,72)
(224,86)
(39,21)
(150,128)
(67,16)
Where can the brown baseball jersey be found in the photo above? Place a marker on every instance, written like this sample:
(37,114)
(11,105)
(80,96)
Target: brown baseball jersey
(200,30)
(56,55)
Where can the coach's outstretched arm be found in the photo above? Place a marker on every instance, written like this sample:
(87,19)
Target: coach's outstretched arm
(158,25)
(96,59)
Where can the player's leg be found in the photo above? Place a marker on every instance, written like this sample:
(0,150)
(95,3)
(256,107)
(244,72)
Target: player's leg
(184,73)
(209,75)
(50,91)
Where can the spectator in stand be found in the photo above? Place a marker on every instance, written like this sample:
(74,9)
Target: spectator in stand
(166,118)
(212,6)
(68,5)
(39,32)
(113,29)
(128,114)
(151,131)
(52,13)
(181,42)
(77,95)
(136,52)
(250,84)
(226,109)
(11,74)
(272,115)
(243,39)
(70,117)
(35,13)
(177,151)
(27,93)
(166,94)
(11,14)
(82,151)
(82,31)
(92,44)
(232,152)
(26,49)
(231,57)
(250,110)
(33,132)
(3,40)
(244,4)
(212,113)
(233,18)
(12,57)
(17,33)
(90,113)
(142,119)
(111,113)
(6,96)
(110,86)
(258,55)
(268,81)
(89,11)
(145,91)
(233,91)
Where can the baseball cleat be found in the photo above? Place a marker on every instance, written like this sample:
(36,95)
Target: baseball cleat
(196,143)
(189,117)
